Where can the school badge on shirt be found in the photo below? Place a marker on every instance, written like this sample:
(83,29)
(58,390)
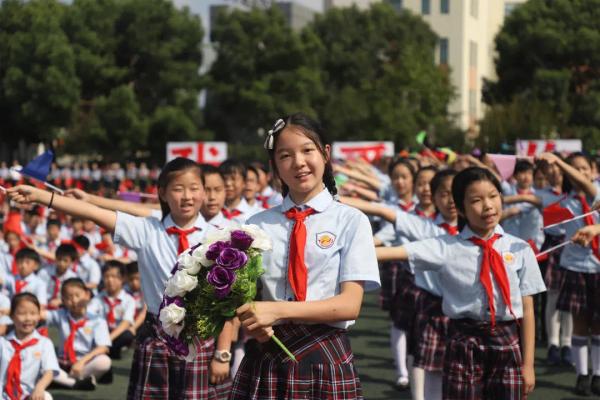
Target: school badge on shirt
(325,240)
(508,257)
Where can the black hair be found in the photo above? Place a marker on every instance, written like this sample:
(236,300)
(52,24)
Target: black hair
(208,169)
(424,169)
(313,130)
(67,250)
(258,165)
(523,166)
(132,268)
(54,222)
(406,163)
(21,297)
(232,166)
(174,166)
(77,282)
(252,168)
(463,180)
(567,184)
(114,264)
(34,211)
(439,178)
(82,241)
(28,253)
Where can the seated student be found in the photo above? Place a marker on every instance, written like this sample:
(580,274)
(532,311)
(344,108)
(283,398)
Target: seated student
(5,320)
(55,275)
(87,268)
(134,288)
(13,241)
(48,248)
(107,250)
(116,306)
(28,261)
(27,360)
(84,339)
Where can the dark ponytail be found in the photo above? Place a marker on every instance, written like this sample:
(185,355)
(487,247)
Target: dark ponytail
(314,131)
(174,166)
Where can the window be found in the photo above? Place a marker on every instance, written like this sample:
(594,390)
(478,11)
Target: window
(472,54)
(444,51)
(473,104)
(396,5)
(425,7)
(474,8)
(445,6)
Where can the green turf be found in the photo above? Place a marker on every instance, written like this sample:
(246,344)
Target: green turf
(374,361)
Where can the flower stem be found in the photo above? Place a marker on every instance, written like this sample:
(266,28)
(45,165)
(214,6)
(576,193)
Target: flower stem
(285,349)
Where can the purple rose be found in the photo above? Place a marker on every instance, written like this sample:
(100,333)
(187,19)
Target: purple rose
(241,240)
(215,249)
(177,345)
(222,279)
(170,300)
(232,258)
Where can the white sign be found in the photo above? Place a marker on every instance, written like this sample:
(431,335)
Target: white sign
(201,152)
(367,150)
(531,148)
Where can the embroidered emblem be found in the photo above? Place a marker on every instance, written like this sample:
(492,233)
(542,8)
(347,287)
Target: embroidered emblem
(325,240)
(37,355)
(87,330)
(509,258)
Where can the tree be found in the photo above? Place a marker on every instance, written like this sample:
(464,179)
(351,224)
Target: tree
(380,78)
(549,57)
(38,84)
(263,70)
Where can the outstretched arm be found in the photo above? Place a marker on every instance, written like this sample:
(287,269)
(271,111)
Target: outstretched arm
(369,208)
(77,208)
(397,253)
(137,209)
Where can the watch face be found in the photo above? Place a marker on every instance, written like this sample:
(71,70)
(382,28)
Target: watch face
(223,356)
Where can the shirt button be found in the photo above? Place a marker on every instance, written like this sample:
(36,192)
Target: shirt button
(290,299)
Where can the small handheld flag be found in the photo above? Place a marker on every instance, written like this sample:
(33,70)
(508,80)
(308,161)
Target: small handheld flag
(39,168)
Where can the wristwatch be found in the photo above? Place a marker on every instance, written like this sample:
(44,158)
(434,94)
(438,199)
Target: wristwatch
(223,356)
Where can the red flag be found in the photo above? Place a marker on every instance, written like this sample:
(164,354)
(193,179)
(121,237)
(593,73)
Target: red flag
(554,213)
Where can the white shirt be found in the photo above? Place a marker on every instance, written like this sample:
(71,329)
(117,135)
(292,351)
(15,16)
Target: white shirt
(34,286)
(124,311)
(93,334)
(156,250)
(35,361)
(339,248)
(47,275)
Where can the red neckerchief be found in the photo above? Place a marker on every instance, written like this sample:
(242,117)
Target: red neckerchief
(13,372)
(297,273)
(451,229)
(589,220)
(183,243)
(230,214)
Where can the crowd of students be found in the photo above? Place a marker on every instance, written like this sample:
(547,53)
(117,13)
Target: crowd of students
(459,271)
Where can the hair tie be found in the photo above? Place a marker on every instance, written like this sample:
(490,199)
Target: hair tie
(279,125)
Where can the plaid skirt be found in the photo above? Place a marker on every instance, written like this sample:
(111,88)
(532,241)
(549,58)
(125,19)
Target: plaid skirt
(404,302)
(429,333)
(481,363)
(387,273)
(156,373)
(580,295)
(554,276)
(325,368)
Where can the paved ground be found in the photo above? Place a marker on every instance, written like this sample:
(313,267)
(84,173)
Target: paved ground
(370,344)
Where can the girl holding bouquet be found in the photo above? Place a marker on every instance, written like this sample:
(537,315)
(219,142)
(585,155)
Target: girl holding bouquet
(322,260)
(156,371)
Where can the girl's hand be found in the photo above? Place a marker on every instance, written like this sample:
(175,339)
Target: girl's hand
(76,370)
(550,158)
(37,394)
(78,194)
(258,314)
(218,372)
(528,378)
(23,194)
(585,235)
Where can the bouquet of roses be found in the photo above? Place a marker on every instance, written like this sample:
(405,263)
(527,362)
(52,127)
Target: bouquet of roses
(209,282)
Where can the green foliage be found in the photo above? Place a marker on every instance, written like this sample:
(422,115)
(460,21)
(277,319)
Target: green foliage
(548,68)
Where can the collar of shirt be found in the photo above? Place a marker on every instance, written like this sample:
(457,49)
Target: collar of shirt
(439,219)
(243,206)
(13,336)
(319,203)
(200,222)
(120,296)
(467,233)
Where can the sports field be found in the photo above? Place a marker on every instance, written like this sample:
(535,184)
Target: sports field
(370,344)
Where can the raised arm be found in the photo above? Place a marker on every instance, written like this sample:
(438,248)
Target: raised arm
(577,177)
(77,208)
(369,208)
(523,198)
(137,209)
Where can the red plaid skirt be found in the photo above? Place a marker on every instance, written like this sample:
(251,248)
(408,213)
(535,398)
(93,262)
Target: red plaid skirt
(404,303)
(325,368)
(156,373)
(482,363)
(387,273)
(554,276)
(580,295)
(429,333)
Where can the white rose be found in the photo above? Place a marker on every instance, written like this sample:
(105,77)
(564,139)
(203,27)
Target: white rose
(200,255)
(217,235)
(261,240)
(180,283)
(170,318)
(189,263)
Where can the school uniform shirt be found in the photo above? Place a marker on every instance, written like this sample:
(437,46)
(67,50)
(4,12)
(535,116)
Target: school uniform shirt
(219,221)
(388,233)
(574,257)
(88,269)
(124,310)
(34,286)
(526,225)
(5,305)
(35,360)
(458,262)
(156,250)
(138,299)
(246,211)
(48,275)
(274,198)
(414,228)
(339,248)
(254,208)
(94,332)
